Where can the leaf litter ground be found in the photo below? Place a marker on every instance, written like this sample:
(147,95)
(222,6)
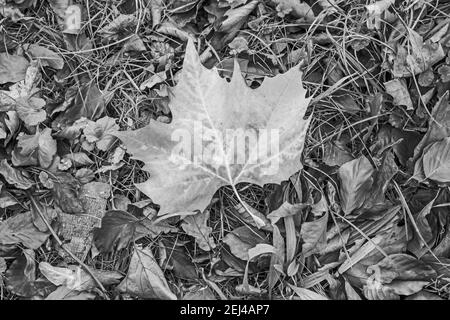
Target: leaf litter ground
(94,206)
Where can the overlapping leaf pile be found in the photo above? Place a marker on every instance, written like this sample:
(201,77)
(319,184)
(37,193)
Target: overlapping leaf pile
(95,204)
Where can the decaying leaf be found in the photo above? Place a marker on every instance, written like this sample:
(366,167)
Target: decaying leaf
(75,278)
(45,56)
(101,132)
(12,68)
(144,278)
(399,91)
(297,8)
(421,56)
(14,176)
(197,227)
(19,229)
(313,235)
(205,107)
(37,149)
(375,11)
(356,180)
(241,239)
(436,161)
(23,97)
(20,278)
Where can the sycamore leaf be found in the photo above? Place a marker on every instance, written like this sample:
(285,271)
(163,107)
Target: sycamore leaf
(212,114)
(145,279)
(197,227)
(12,68)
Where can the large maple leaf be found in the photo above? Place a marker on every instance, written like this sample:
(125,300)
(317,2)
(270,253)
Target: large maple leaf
(194,155)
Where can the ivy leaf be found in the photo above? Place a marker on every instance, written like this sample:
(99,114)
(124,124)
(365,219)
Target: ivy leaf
(20,229)
(182,180)
(14,176)
(35,149)
(22,98)
(101,132)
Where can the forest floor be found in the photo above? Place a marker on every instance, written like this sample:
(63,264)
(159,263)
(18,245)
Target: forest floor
(89,209)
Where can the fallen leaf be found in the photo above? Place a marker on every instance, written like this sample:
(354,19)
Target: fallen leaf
(436,161)
(203,101)
(197,227)
(14,176)
(20,278)
(64,293)
(75,278)
(313,234)
(23,97)
(144,278)
(12,68)
(420,57)
(101,132)
(401,267)
(438,125)
(297,8)
(356,181)
(424,295)
(399,91)
(306,294)
(375,11)
(35,149)
(116,231)
(46,57)
(20,229)
(242,239)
